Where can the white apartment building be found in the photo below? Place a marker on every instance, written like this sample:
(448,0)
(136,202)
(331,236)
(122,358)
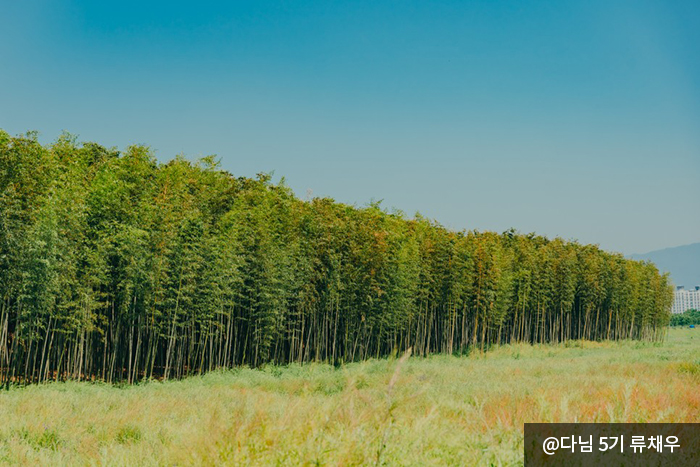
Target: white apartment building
(686,299)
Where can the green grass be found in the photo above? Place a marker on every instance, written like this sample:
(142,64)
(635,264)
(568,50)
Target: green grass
(438,410)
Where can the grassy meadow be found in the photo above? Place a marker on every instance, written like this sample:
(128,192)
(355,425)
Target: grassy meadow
(440,410)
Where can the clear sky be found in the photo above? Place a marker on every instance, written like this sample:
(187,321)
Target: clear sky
(572,119)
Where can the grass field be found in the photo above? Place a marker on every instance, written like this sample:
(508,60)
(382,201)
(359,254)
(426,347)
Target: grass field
(438,410)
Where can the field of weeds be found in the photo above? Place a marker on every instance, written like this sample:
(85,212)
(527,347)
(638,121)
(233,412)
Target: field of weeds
(406,411)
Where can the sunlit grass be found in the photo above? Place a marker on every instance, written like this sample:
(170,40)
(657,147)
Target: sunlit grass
(439,410)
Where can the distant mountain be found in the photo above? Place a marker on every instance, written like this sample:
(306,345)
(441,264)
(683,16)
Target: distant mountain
(683,262)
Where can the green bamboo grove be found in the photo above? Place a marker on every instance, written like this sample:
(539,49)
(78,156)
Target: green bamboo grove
(118,268)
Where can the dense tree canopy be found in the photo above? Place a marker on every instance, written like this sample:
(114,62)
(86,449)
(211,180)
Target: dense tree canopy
(686,318)
(116,267)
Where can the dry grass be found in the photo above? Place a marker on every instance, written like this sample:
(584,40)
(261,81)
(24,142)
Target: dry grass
(440,410)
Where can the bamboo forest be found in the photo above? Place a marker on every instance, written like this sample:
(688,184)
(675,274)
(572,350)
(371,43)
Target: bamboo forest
(120,268)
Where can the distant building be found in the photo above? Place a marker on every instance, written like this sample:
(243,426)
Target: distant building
(684,300)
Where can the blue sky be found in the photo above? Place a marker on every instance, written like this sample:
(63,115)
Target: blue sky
(571,119)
